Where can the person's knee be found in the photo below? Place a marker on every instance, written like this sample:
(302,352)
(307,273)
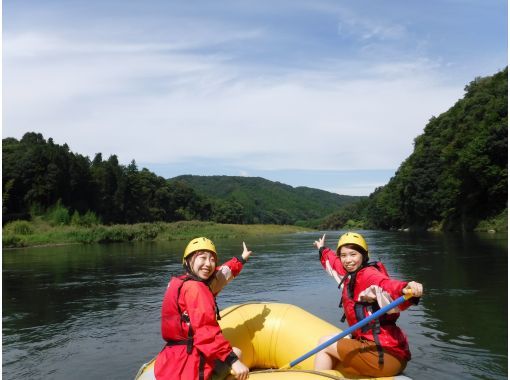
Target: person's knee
(331,349)
(325,338)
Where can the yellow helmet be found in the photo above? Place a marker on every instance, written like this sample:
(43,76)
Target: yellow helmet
(352,238)
(199,244)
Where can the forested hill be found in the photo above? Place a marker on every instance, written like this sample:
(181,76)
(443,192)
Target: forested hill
(258,200)
(457,175)
(41,177)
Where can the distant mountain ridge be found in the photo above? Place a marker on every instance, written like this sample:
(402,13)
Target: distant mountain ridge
(265,201)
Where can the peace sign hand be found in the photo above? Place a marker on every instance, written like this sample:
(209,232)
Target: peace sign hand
(321,242)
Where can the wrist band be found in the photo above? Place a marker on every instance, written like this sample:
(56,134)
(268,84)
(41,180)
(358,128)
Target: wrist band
(231,359)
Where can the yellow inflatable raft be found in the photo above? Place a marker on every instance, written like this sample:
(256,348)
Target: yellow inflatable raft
(271,335)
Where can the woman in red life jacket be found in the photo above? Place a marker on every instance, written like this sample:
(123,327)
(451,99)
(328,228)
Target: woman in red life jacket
(380,348)
(196,348)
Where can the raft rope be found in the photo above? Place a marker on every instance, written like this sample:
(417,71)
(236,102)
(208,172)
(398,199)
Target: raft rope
(322,374)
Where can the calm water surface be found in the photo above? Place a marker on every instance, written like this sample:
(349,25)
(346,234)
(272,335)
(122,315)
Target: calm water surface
(92,311)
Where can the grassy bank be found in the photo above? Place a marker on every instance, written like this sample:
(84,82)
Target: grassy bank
(496,224)
(39,232)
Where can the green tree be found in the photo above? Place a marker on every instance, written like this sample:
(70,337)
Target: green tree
(457,174)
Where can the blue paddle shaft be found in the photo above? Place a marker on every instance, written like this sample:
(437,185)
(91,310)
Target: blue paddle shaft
(354,327)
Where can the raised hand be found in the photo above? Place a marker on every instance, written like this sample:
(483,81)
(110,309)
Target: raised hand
(246,254)
(320,243)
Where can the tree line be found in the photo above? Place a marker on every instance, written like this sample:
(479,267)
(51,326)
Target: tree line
(39,174)
(41,177)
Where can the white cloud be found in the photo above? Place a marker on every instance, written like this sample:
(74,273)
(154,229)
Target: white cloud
(265,87)
(167,107)
(366,29)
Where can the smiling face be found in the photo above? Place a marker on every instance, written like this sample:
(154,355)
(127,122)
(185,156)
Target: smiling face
(351,259)
(203,264)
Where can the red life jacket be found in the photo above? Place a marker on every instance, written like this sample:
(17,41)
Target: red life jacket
(391,338)
(383,330)
(193,336)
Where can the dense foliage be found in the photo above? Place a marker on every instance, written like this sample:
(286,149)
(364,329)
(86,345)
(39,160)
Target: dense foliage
(40,176)
(457,175)
(258,200)
(44,178)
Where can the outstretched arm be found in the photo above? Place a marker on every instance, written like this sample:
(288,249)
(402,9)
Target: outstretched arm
(385,290)
(329,260)
(229,270)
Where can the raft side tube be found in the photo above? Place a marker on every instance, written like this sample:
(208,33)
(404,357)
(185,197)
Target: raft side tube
(271,335)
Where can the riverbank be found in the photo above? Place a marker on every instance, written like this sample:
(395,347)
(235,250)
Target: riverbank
(38,233)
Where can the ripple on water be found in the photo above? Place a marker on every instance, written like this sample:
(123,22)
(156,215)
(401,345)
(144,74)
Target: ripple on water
(102,320)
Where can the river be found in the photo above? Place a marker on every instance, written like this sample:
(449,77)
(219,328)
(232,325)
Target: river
(92,311)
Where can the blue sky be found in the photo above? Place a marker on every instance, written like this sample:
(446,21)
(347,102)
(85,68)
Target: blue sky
(325,94)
